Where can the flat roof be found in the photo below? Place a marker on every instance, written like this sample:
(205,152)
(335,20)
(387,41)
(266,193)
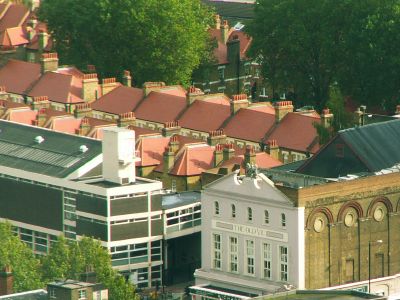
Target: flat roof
(180,199)
(44,151)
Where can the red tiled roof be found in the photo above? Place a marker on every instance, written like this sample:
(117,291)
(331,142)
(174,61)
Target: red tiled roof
(58,87)
(206,115)
(160,107)
(251,124)
(175,90)
(263,160)
(98,131)
(12,37)
(93,122)
(23,116)
(3,7)
(151,150)
(65,124)
(120,100)
(17,76)
(193,160)
(142,131)
(14,16)
(295,131)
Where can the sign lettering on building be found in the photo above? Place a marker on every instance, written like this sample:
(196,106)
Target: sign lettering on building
(250,230)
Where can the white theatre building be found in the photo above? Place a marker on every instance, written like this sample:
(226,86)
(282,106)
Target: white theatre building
(252,239)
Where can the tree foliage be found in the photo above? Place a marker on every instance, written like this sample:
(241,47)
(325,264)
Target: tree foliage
(307,45)
(156,40)
(68,260)
(17,255)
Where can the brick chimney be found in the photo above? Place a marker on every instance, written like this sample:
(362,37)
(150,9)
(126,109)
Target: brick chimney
(127,78)
(82,110)
(326,118)
(91,69)
(272,149)
(225,31)
(4,95)
(126,119)
(397,109)
(192,94)
(218,155)
(31,33)
(238,102)
(233,50)
(41,118)
(249,155)
(108,84)
(6,281)
(228,152)
(217,22)
(49,62)
(84,127)
(282,108)
(174,143)
(40,102)
(216,137)
(169,158)
(171,128)
(90,85)
(152,86)
(43,39)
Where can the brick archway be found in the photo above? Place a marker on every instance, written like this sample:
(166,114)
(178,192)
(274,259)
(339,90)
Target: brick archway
(383,200)
(326,211)
(351,204)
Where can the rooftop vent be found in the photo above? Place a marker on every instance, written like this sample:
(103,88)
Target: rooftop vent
(39,139)
(83,148)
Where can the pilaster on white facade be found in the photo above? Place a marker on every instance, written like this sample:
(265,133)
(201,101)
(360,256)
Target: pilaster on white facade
(252,237)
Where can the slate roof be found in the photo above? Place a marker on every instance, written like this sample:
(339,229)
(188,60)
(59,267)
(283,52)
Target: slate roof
(233,9)
(58,155)
(120,100)
(377,145)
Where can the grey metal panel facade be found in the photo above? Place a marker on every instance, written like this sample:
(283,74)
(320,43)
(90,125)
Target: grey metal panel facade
(129,231)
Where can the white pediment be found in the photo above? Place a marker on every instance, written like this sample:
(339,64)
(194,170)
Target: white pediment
(260,188)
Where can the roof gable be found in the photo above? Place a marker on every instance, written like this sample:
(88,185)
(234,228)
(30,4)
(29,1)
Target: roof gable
(260,188)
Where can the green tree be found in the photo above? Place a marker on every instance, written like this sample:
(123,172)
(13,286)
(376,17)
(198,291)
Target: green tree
(155,40)
(306,45)
(17,255)
(69,259)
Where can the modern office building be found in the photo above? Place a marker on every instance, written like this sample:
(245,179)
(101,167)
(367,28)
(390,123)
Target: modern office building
(54,183)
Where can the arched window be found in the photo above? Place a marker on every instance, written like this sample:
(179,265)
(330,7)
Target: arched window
(266,216)
(233,211)
(249,214)
(216,208)
(283,220)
